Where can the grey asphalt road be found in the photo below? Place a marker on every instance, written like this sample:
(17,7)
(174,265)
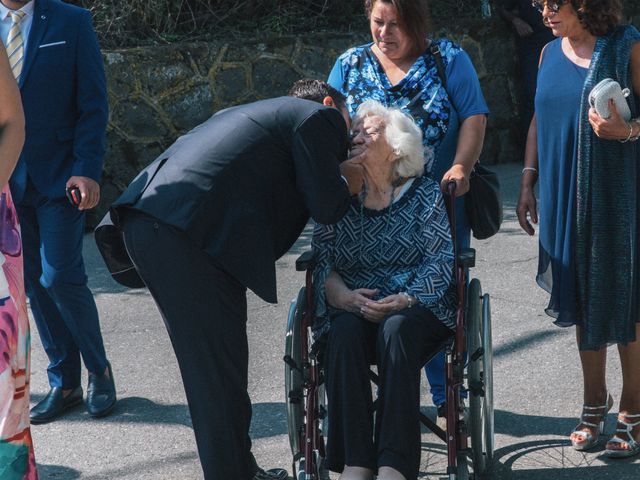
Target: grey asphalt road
(537,381)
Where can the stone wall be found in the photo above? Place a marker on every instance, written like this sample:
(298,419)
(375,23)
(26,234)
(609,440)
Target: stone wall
(157,93)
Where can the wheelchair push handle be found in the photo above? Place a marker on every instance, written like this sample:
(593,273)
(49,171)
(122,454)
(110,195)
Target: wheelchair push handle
(450,203)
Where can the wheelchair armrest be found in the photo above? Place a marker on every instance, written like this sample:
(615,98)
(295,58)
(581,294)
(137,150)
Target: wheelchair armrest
(467,258)
(305,261)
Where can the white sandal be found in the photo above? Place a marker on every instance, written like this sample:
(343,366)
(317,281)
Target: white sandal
(633,447)
(589,440)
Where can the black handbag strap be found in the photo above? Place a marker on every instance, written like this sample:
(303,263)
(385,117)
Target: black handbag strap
(437,55)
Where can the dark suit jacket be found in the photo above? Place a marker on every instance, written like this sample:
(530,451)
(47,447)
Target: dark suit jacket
(64,97)
(243,184)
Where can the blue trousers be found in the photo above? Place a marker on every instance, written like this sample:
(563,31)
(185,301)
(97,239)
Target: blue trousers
(56,284)
(435,368)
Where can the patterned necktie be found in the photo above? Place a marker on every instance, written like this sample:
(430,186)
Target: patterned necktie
(15,45)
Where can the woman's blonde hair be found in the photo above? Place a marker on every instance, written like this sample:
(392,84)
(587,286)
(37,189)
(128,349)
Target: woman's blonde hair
(402,134)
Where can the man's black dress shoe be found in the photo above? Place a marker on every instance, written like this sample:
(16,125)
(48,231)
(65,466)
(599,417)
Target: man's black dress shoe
(54,404)
(273,474)
(101,394)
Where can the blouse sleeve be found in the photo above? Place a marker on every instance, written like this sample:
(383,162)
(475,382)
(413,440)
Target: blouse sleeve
(463,87)
(433,277)
(322,244)
(336,77)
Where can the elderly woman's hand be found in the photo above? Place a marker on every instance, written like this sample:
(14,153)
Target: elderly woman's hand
(376,311)
(612,128)
(351,300)
(456,174)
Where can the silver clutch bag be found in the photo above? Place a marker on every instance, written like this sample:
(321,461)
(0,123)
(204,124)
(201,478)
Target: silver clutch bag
(606,90)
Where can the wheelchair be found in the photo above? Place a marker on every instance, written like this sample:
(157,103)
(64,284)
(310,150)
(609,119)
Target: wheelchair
(469,438)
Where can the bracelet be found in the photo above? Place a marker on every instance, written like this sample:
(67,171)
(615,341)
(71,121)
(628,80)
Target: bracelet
(533,169)
(637,136)
(628,136)
(409,299)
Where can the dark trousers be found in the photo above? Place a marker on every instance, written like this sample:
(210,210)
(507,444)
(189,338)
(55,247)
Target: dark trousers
(63,307)
(205,312)
(400,346)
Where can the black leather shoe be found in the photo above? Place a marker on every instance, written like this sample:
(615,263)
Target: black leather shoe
(54,404)
(273,474)
(101,394)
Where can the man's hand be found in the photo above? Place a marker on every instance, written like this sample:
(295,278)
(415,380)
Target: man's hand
(89,191)
(458,175)
(523,29)
(354,173)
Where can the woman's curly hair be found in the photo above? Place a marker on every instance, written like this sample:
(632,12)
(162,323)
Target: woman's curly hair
(599,17)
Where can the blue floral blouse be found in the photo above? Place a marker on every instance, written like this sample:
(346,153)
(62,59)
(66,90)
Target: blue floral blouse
(405,247)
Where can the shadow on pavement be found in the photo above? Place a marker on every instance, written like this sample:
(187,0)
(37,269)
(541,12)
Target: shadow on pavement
(525,341)
(57,472)
(269,420)
(555,460)
(132,410)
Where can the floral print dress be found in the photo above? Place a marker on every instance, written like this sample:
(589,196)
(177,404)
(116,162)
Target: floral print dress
(17,461)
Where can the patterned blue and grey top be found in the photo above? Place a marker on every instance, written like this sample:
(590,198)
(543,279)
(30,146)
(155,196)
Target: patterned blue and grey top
(359,75)
(405,247)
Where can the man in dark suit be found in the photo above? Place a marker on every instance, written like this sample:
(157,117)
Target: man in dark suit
(55,57)
(208,219)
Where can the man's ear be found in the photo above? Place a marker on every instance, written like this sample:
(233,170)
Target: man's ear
(328,102)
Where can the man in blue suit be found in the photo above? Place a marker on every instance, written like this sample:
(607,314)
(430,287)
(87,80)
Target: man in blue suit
(56,60)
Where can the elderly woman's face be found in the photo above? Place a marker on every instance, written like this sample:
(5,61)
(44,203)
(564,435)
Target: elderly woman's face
(387,33)
(369,142)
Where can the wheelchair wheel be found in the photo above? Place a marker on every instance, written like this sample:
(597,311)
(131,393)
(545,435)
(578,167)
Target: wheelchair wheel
(480,378)
(294,394)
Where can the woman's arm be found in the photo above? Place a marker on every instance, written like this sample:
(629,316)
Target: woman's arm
(527,205)
(11,120)
(470,140)
(614,127)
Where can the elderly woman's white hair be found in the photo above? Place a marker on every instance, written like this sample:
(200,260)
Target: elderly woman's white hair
(402,134)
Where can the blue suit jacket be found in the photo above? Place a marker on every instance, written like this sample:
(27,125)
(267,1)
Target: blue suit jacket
(64,97)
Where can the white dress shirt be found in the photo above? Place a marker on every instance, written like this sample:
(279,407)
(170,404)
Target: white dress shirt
(25,25)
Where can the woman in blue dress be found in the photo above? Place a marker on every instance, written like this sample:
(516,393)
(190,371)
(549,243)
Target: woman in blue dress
(399,68)
(589,197)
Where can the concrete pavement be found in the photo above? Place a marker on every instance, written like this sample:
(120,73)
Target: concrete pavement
(537,381)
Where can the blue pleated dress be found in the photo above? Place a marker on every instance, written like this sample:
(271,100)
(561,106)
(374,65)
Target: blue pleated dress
(557,107)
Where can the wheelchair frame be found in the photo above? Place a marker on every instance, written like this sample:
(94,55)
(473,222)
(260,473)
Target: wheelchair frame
(306,413)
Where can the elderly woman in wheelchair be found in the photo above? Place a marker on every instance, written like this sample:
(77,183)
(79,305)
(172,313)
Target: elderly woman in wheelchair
(385,288)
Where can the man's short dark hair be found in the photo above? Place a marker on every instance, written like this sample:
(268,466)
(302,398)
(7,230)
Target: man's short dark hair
(316,91)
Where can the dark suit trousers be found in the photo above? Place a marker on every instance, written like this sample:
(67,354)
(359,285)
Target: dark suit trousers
(205,312)
(63,307)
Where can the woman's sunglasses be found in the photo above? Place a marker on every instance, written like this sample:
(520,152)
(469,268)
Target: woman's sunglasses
(553,7)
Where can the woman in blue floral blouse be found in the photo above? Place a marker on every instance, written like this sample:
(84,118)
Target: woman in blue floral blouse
(400,68)
(384,288)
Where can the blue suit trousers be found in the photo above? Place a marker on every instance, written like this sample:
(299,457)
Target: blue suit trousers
(63,307)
